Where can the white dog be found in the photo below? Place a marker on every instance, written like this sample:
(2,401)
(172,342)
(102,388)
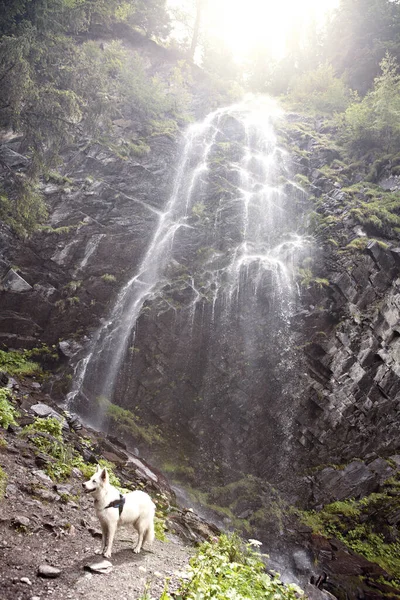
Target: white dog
(113,509)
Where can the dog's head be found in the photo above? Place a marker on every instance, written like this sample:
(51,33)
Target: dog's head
(97,481)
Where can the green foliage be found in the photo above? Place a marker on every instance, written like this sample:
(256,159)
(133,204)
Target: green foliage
(53,88)
(8,412)
(108,278)
(88,470)
(358,36)
(73,286)
(307,279)
(3,482)
(160,528)
(320,90)
(179,471)
(49,425)
(46,435)
(17,363)
(139,148)
(199,210)
(363,526)
(226,568)
(358,244)
(374,122)
(378,211)
(23,208)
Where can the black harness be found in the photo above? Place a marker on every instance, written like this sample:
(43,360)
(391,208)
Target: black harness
(119,503)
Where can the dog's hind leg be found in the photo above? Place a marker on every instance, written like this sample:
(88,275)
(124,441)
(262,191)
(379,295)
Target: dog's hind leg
(149,534)
(141,530)
(111,529)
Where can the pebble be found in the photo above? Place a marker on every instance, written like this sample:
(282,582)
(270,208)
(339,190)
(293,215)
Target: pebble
(103,566)
(26,580)
(48,571)
(21,521)
(35,598)
(42,476)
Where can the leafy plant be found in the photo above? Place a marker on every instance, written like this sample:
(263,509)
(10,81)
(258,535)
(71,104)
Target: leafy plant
(226,568)
(320,90)
(160,527)
(18,363)
(374,121)
(8,413)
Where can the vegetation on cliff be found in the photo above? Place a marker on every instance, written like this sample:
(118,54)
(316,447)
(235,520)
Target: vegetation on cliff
(60,81)
(366,526)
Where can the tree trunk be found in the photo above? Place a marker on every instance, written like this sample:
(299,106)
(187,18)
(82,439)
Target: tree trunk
(196,30)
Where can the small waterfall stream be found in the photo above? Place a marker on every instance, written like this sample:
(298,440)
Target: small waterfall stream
(227,244)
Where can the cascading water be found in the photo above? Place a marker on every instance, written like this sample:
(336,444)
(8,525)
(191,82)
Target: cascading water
(209,308)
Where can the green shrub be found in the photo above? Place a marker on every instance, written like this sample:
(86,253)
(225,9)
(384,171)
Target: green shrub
(18,363)
(25,209)
(8,413)
(226,568)
(377,210)
(374,122)
(160,528)
(320,90)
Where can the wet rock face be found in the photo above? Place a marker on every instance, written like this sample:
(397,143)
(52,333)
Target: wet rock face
(357,396)
(213,359)
(212,356)
(102,212)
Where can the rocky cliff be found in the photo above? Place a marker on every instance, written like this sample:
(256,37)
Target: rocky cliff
(264,350)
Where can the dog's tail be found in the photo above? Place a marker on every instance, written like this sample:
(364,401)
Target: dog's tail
(149,535)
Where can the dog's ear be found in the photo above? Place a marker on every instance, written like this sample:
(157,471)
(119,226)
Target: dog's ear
(104,475)
(98,468)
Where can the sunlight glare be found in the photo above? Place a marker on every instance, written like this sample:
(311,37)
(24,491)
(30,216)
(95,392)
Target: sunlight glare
(242,26)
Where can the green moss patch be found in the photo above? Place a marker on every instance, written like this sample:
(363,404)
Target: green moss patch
(125,421)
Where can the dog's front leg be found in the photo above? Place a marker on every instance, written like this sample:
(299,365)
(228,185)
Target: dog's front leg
(111,529)
(104,537)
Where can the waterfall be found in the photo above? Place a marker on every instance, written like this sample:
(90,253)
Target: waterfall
(222,261)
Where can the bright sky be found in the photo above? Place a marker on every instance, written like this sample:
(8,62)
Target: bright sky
(242,24)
